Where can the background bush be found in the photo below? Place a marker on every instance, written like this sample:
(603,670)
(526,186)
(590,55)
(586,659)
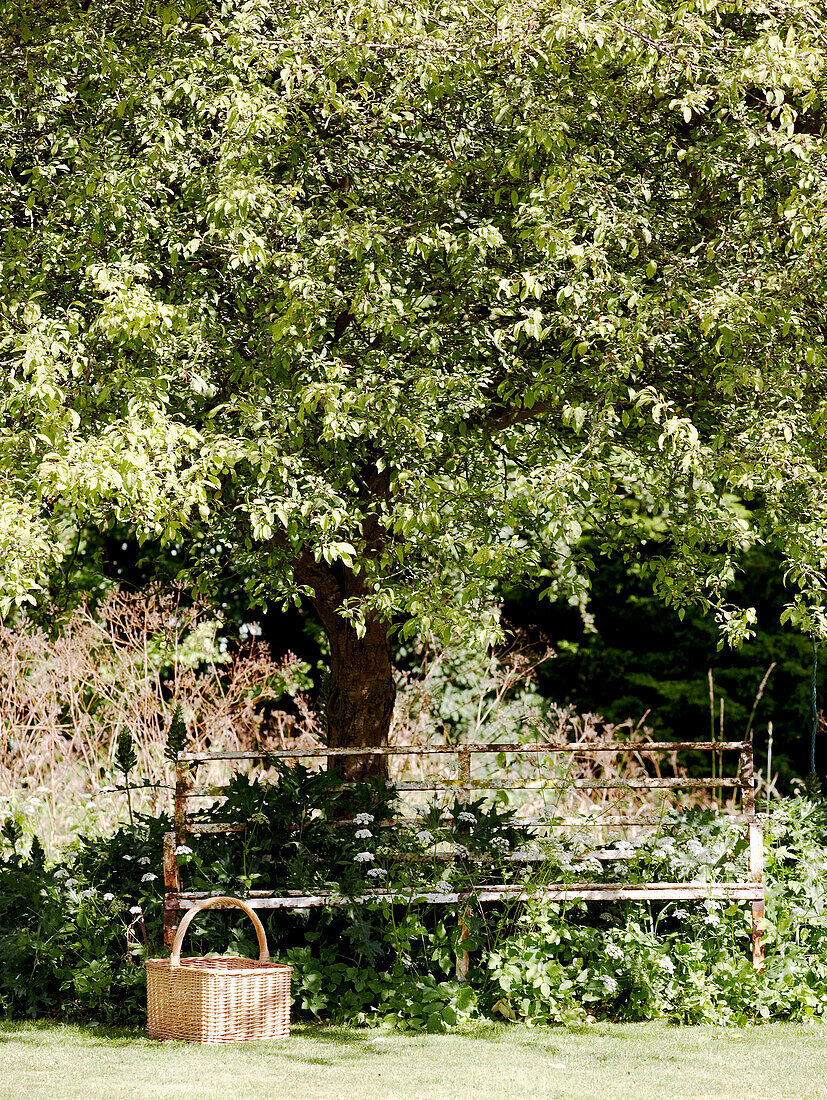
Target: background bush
(64,948)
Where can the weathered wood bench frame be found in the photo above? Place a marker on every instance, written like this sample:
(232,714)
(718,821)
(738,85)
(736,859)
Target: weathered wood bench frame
(750,891)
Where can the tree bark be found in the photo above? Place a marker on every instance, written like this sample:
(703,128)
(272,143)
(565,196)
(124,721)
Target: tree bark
(362,689)
(360,698)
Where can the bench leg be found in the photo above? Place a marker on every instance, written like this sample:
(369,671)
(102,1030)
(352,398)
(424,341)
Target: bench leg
(756,875)
(757,942)
(463,958)
(172,885)
(171,923)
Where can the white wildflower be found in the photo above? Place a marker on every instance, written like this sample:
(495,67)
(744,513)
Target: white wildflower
(136,911)
(681,914)
(614,951)
(591,863)
(375,872)
(362,857)
(424,837)
(466,816)
(149,877)
(183,850)
(623,847)
(259,818)
(60,873)
(499,844)
(666,963)
(70,882)
(108,897)
(609,984)
(363,819)
(666,844)
(713,919)
(363,834)
(144,859)
(695,848)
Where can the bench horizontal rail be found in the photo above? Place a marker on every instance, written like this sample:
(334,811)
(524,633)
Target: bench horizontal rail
(608,891)
(605,855)
(626,821)
(475,747)
(683,784)
(535,822)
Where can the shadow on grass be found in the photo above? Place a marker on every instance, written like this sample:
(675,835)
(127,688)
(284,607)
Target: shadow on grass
(40,1031)
(309,1043)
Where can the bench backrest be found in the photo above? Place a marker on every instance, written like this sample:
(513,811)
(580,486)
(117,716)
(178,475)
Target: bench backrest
(533,770)
(546,774)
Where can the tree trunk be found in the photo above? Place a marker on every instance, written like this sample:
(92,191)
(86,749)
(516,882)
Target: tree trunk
(360,698)
(362,689)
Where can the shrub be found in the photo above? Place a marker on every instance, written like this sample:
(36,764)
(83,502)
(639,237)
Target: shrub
(686,962)
(63,928)
(73,936)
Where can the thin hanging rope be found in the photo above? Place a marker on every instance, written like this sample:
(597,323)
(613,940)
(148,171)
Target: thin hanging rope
(815,706)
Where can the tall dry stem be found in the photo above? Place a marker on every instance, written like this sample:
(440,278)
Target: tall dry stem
(64,701)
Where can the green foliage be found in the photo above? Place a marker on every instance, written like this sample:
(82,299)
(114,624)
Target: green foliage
(12,832)
(687,962)
(463,693)
(63,929)
(631,658)
(125,756)
(63,945)
(309,832)
(127,759)
(295,833)
(407,296)
(21,817)
(812,785)
(327,984)
(176,735)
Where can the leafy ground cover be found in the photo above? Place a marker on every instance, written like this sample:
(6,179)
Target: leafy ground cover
(72,935)
(610,1061)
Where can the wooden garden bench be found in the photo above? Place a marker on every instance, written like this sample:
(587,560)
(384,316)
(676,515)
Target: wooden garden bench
(463,783)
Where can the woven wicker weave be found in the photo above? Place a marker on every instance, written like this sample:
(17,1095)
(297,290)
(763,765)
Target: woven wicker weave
(218,1000)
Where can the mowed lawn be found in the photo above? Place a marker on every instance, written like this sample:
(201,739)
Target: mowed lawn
(606,1061)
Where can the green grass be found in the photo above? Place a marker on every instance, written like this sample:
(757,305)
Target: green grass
(606,1061)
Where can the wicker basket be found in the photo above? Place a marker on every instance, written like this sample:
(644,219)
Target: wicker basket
(218,1000)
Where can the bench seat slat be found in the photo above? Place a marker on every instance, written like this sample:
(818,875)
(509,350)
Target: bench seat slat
(534,822)
(586,891)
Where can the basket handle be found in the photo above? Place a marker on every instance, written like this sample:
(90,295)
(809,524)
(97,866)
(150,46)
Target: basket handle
(209,903)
